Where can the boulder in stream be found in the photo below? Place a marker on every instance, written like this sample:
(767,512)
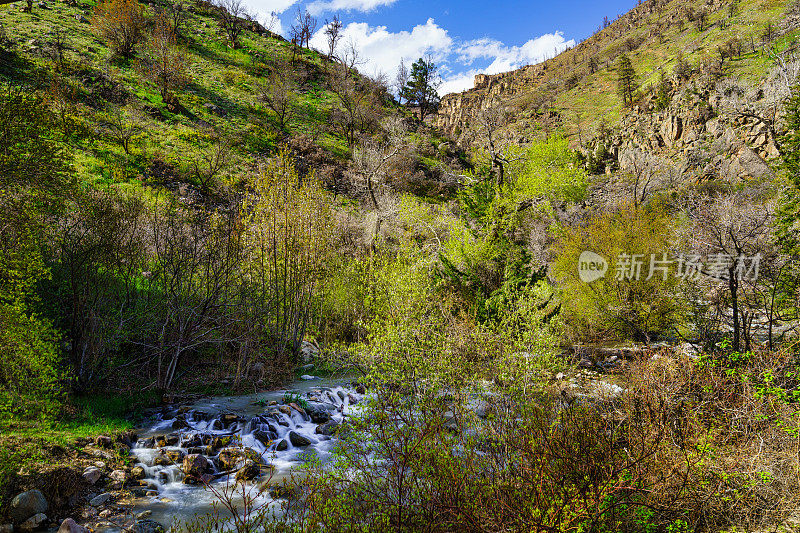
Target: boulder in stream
(195,465)
(264,437)
(248,472)
(230,458)
(318,414)
(328,428)
(299,440)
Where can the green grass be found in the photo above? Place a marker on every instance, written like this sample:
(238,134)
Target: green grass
(230,79)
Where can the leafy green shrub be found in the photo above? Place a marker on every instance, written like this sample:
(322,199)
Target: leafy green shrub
(29,374)
(624,303)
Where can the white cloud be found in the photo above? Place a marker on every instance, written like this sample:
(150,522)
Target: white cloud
(321,6)
(382,50)
(265,7)
(457,83)
(505,58)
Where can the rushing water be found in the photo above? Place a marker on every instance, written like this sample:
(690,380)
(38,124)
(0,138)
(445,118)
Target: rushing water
(279,430)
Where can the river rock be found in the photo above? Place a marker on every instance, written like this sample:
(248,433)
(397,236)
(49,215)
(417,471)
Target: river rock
(33,523)
(137,472)
(230,458)
(146,526)
(229,418)
(264,437)
(92,474)
(97,501)
(195,465)
(176,456)
(6,528)
(282,446)
(70,526)
(299,440)
(27,504)
(298,409)
(328,428)
(118,475)
(248,472)
(220,442)
(318,414)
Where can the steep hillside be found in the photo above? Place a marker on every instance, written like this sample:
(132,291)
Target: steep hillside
(682,40)
(217,124)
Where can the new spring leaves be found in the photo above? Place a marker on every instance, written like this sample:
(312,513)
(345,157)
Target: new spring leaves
(592,266)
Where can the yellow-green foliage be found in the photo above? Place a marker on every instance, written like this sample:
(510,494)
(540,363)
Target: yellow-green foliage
(28,353)
(628,308)
(288,240)
(549,170)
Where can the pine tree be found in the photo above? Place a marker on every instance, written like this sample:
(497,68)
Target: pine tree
(421,87)
(626,79)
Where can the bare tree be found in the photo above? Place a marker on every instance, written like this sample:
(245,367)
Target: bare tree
(304,27)
(271,22)
(212,161)
(333,33)
(401,78)
(163,61)
(280,93)
(122,128)
(491,121)
(371,156)
(233,17)
(175,13)
(731,230)
(358,110)
(59,43)
(195,276)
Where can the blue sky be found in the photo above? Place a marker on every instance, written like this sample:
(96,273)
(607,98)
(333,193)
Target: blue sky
(463,37)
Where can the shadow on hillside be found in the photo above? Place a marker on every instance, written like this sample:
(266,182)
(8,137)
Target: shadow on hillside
(231,107)
(14,68)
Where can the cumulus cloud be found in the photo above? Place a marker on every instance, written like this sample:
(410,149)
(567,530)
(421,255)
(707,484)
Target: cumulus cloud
(459,62)
(505,58)
(321,6)
(382,50)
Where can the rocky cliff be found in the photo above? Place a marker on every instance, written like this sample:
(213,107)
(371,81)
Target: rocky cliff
(711,75)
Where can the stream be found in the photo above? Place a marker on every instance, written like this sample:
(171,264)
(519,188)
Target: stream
(259,438)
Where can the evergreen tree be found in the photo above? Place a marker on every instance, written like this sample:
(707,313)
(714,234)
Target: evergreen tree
(662,92)
(421,89)
(626,79)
